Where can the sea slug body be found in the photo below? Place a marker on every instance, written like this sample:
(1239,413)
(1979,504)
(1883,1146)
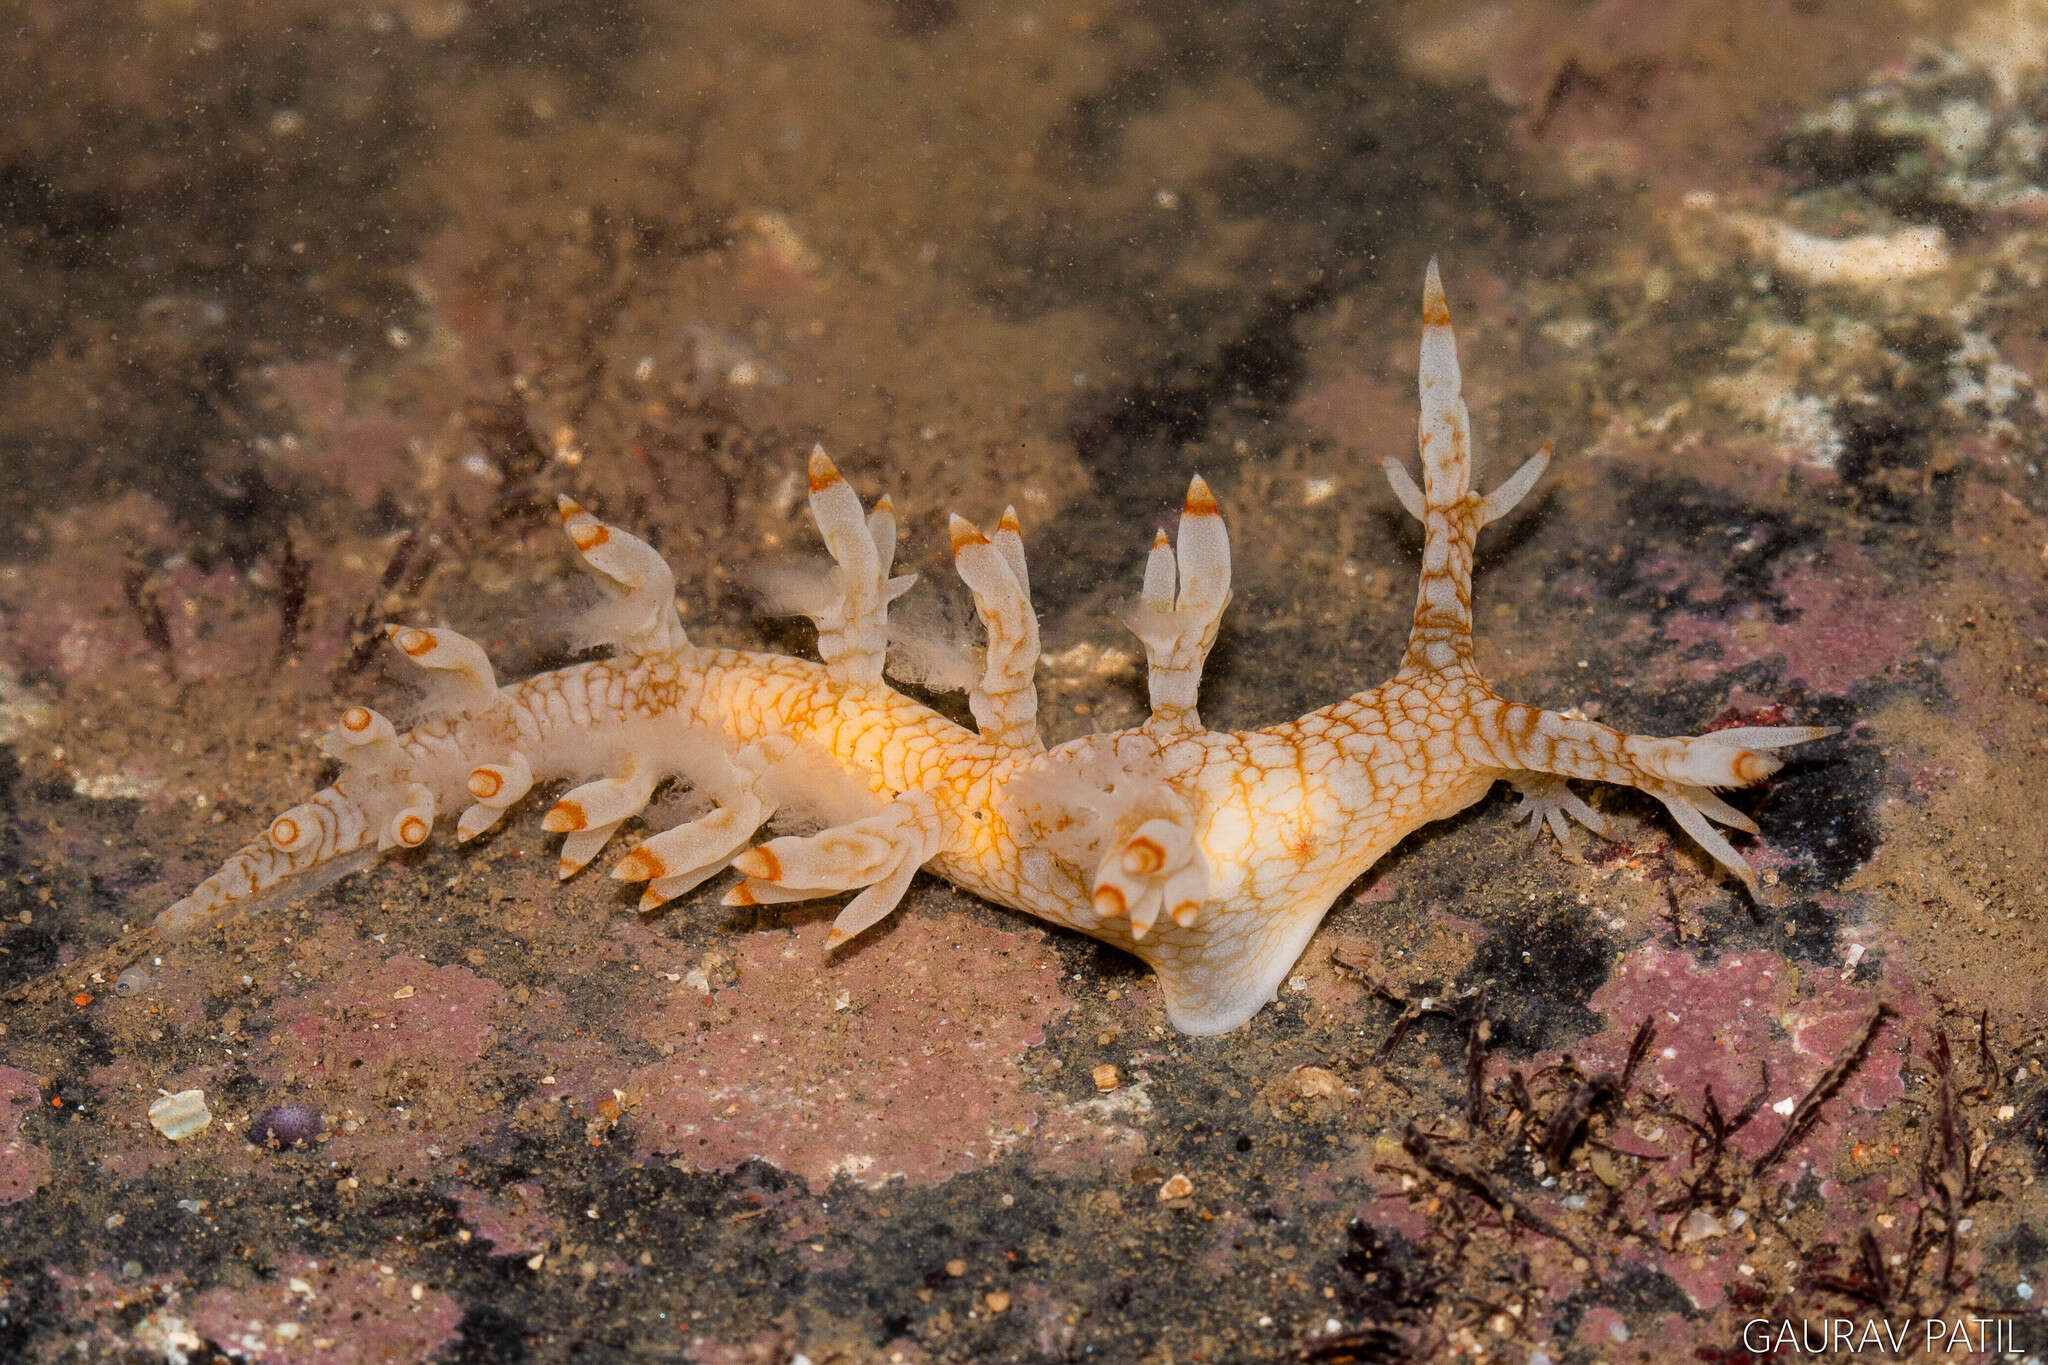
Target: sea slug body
(1212,856)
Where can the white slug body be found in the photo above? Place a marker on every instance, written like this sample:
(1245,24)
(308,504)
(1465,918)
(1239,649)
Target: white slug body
(1212,856)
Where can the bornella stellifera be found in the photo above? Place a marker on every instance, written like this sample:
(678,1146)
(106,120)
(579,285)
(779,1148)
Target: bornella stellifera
(1213,856)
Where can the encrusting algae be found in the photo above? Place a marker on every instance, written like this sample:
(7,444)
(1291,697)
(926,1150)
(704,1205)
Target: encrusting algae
(1212,856)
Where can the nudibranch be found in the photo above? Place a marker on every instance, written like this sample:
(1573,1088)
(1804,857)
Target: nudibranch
(1211,856)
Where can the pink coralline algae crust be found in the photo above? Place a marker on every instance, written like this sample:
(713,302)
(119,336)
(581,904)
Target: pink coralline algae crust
(69,614)
(1705,1275)
(392,1049)
(1664,1337)
(513,1221)
(1850,625)
(899,1059)
(1089,1137)
(23,1166)
(358,452)
(1754,1029)
(1332,991)
(329,1313)
(769,1346)
(1723,1026)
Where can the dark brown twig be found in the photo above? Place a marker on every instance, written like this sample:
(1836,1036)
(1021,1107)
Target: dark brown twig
(1755,1102)
(1476,1039)
(1569,1121)
(1873,1284)
(1638,1048)
(1987,1060)
(1367,1346)
(1946,1168)
(1822,1090)
(1479,1184)
(1713,1130)
(293,581)
(363,631)
(140,590)
(1411,1010)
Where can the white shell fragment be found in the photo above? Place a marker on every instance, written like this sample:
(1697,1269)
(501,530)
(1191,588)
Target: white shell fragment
(1869,260)
(181,1115)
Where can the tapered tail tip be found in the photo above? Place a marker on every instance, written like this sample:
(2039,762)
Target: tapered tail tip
(964,533)
(759,863)
(566,817)
(586,532)
(639,866)
(823,472)
(1435,311)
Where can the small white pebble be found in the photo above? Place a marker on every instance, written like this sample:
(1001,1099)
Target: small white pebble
(1785,1106)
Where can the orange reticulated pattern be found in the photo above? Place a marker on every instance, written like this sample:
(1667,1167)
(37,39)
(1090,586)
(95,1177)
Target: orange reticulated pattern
(1211,855)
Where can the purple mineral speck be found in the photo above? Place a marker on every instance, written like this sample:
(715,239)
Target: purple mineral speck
(285,1125)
